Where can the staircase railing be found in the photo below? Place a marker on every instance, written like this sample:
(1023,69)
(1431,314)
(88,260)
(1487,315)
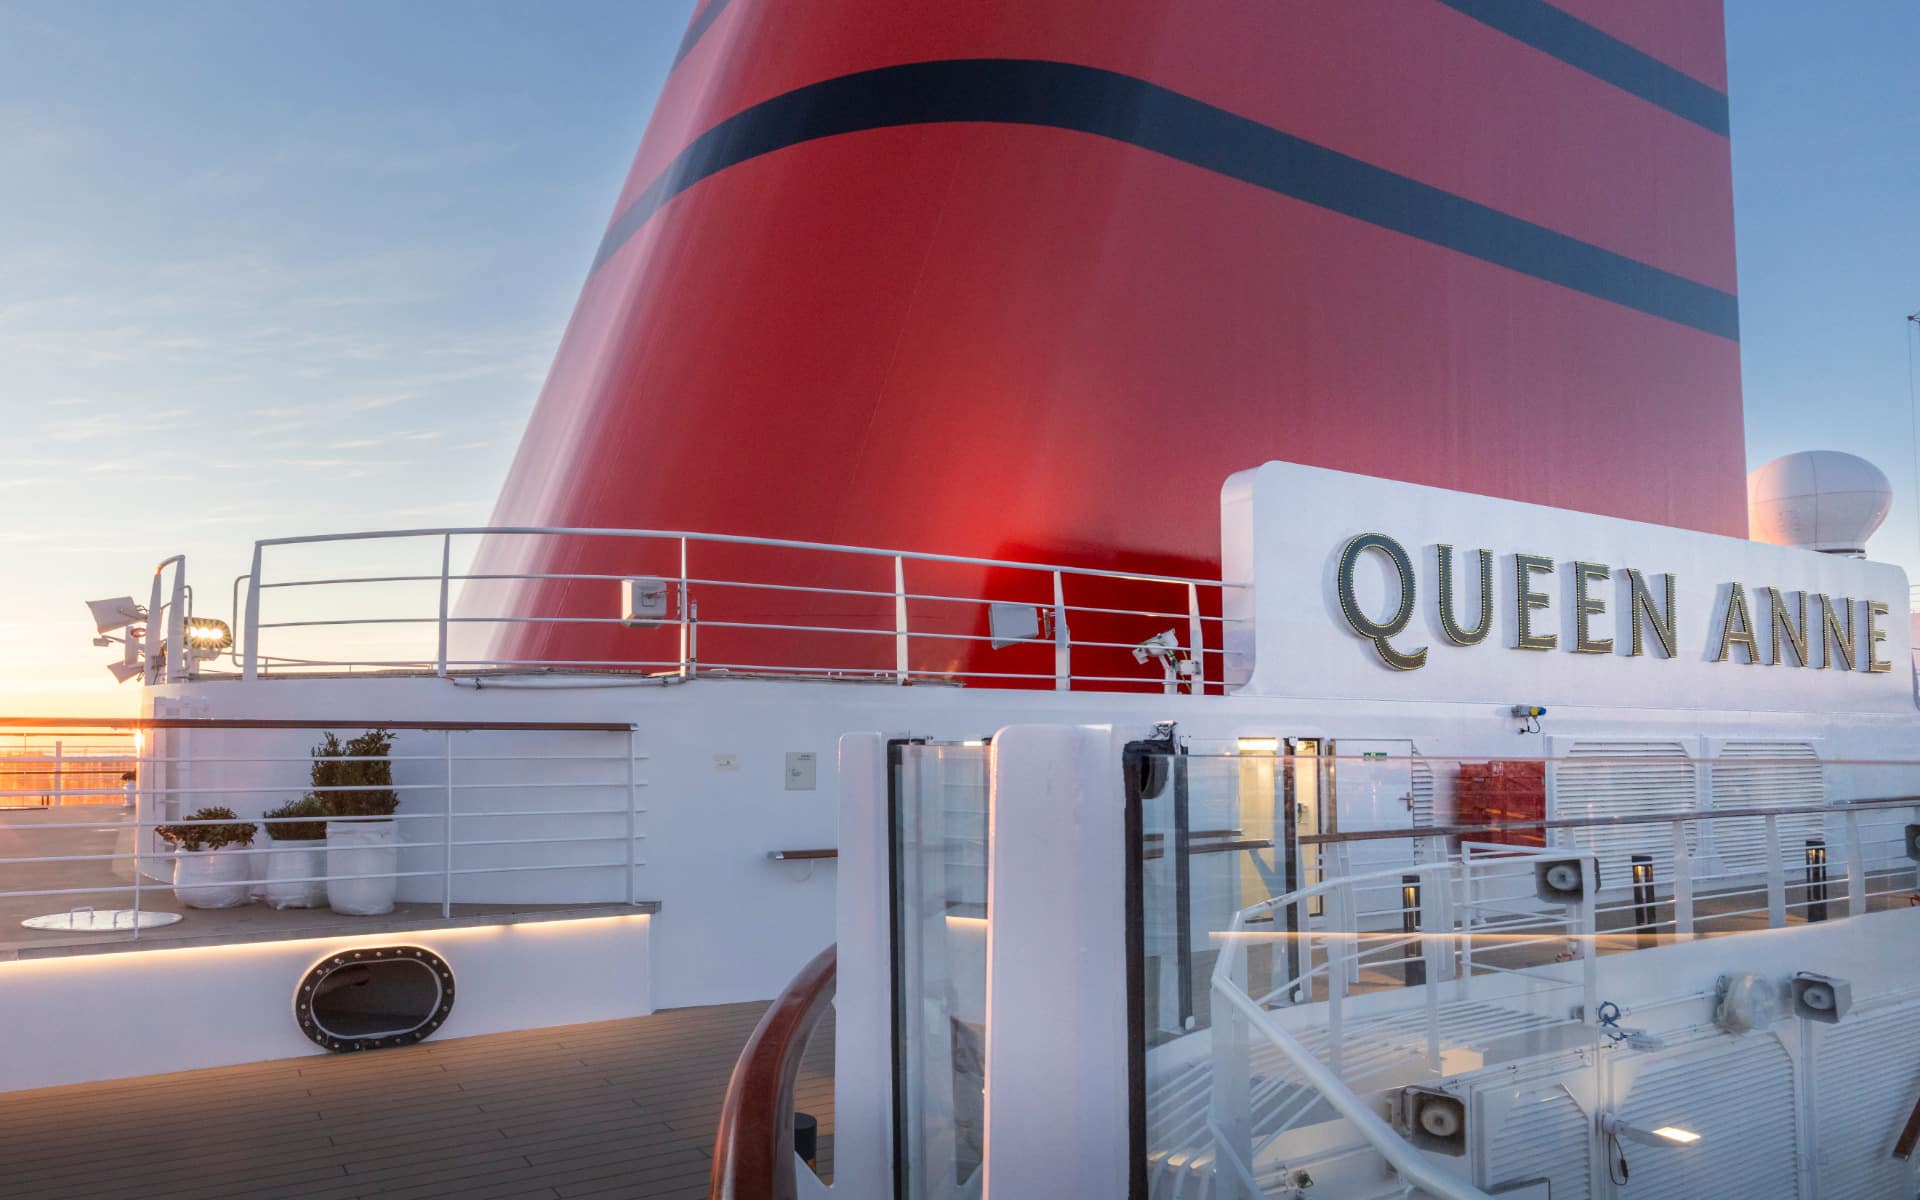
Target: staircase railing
(753,1155)
(1441,905)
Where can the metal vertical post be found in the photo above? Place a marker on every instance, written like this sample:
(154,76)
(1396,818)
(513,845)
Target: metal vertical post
(686,618)
(139,831)
(446,571)
(1590,940)
(1231,1105)
(1776,877)
(1432,970)
(1682,883)
(446,885)
(633,804)
(1062,640)
(250,625)
(1182,889)
(900,618)
(1197,638)
(59,761)
(1856,868)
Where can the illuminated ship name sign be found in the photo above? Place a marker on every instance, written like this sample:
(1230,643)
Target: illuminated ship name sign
(1802,629)
(1348,587)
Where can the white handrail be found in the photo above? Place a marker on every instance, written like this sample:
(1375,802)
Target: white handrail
(1411,1165)
(1193,674)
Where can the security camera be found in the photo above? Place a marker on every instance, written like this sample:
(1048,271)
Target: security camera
(1161,645)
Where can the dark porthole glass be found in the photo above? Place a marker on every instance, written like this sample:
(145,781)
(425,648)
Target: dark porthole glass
(373,998)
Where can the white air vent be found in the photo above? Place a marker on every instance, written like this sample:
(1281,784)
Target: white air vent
(1605,780)
(1866,1075)
(1738,1094)
(1539,1134)
(1776,774)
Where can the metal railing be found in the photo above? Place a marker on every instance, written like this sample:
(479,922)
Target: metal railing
(1388,956)
(812,600)
(554,803)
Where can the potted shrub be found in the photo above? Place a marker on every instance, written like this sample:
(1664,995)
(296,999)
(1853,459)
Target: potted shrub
(211,867)
(362,854)
(299,857)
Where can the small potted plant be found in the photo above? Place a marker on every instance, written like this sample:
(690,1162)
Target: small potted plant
(211,865)
(355,779)
(297,837)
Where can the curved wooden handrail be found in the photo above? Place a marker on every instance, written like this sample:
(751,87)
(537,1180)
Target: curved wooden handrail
(753,1155)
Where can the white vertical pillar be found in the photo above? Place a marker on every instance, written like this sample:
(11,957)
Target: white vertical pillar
(1057,1081)
(863,998)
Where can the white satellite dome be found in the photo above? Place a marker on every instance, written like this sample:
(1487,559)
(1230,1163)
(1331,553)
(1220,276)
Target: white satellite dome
(1818,500)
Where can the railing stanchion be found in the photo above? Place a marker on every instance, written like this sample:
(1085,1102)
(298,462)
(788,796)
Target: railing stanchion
(1589,941)
(1682,883)
(1776,877)
(633,805)
(250,626)
(59,756)
(900,618)
(139,832)
(446,885)
(1232,1099)
(686,618)
(1430,956)
(446,582)
(1062,640)
(1856,868)
(1466,922)
(1197,638)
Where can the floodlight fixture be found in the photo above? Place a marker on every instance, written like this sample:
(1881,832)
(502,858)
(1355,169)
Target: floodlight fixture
(1664,1135)
(116,612)
(123,671)
(206,637)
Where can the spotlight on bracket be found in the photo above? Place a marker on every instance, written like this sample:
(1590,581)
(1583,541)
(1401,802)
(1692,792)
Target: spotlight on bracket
(1434,1120)
(206,637)
(1821,997)
(1913,842)
(1560,880)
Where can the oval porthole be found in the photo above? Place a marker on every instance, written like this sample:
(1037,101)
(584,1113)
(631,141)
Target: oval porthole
(367,999)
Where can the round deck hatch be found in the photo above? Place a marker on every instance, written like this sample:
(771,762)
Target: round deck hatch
(375,997)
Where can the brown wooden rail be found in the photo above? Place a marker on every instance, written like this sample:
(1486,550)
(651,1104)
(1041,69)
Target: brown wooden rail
(753,1155)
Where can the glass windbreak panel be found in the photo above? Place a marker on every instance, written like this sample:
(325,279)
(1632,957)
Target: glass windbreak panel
(1327,929)
(938,796)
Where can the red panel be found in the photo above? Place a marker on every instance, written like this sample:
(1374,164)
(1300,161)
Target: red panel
(1024,342)
(1409,85)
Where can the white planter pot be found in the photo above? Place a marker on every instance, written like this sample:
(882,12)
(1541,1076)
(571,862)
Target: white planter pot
(212,878)
(361,862)
(293,874)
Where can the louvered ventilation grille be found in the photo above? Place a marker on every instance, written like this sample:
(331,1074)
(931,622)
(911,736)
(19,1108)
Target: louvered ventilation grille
(1789,776)
(1740,1100)
(1868,1074)
(1618,779)
(1544,1136)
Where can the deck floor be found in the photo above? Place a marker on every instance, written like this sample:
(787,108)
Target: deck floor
(611,1109)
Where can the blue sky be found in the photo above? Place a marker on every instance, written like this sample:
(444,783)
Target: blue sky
(271,268)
